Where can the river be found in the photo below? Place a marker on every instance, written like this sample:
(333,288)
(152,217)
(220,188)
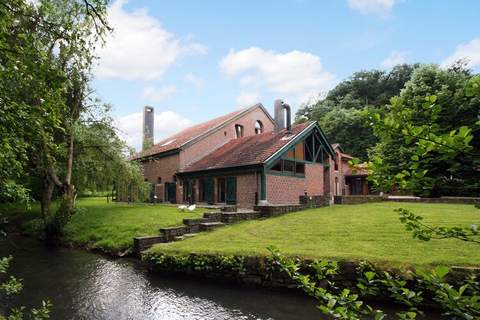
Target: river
(84,285)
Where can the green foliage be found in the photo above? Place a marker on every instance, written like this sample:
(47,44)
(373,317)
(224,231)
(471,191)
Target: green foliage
(428,139)
(335,302)
(342,113)
(11,286)
(202,263)
(100,158)
(456,302)
(421,231)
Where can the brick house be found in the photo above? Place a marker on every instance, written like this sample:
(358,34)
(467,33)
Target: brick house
(245,158)
(344,180)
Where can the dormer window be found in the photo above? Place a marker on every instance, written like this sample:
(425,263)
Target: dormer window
(258,127)
(238,131)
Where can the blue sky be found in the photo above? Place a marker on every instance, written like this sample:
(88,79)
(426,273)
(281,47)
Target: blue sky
(194,60)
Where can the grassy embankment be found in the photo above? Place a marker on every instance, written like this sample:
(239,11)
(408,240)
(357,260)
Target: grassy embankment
(107,226)
(344,232)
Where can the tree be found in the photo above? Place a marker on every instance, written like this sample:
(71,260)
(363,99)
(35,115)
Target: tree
(428,138)
(47,50)
(342,113)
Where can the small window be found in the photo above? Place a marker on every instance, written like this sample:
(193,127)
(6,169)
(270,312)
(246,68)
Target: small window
(146,180)
(238,131)
(258,127)
(336,162)
(159,180)
(174,178)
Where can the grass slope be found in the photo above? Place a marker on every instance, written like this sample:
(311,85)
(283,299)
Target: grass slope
(345,232)
(112,226)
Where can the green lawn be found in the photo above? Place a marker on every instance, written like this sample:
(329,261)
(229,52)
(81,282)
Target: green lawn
(112,226)
(345,232)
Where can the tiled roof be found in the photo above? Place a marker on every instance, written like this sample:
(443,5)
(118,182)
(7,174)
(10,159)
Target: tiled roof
(247,151)
(182,137)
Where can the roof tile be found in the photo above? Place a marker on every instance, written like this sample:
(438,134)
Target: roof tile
(182,137)
(246,151)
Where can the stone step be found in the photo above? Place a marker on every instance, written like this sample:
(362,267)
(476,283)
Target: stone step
(171,232)
(185,236)
(231,217)
(213,216)
(194,221)
(210,225)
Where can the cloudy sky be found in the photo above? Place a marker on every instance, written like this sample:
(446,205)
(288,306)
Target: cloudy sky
(194,60)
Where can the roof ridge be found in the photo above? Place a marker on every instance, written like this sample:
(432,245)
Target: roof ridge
(237,113)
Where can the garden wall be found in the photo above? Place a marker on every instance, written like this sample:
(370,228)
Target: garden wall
(377,198)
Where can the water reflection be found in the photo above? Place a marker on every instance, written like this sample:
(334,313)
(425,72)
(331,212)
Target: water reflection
(82,285)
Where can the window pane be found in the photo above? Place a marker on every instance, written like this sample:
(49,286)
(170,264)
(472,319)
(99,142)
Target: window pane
(299,151)
(300,168)
(277,166)
(288,166)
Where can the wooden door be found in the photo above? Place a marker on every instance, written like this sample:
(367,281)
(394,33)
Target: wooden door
(231,190)
(171,192)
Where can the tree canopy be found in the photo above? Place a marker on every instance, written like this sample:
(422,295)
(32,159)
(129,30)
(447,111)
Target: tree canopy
(341,114)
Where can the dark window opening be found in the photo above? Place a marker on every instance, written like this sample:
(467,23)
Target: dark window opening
(174,178)
(277,166)
(319,158)
(201,190)
(159,180)
(258,127)
(221,189)
(336,162)
(300,168)
(238,131)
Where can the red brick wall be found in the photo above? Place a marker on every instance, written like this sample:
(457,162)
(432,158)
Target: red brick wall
(343,170)
(166,168)
(217,139)
(247,186)
(287,190)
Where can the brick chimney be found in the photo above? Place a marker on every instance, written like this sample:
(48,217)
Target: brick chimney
(148,119)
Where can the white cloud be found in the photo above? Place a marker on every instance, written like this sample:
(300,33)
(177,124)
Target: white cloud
(158,94)
(140,48)
(246,98)
(381,8)
(194,79)
(293,75)
(166,123)
(394,59)
(469,51)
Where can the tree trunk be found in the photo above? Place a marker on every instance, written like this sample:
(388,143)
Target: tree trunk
(69,194)
(46,199)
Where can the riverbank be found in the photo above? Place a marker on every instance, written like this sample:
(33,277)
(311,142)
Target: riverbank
(351,233)
(98,225)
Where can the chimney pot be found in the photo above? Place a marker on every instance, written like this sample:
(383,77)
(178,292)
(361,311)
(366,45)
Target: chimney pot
(280,108)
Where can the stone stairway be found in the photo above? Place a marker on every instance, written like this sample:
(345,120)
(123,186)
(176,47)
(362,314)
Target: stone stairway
(210,221)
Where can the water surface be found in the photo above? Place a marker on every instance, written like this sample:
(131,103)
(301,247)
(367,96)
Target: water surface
(83,285)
